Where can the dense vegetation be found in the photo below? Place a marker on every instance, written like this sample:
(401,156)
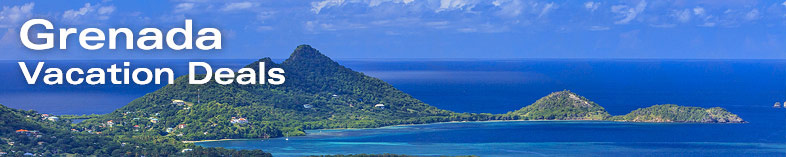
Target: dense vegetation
(563,105)
(318,94)
(674,113)
(337,98)
(24,132)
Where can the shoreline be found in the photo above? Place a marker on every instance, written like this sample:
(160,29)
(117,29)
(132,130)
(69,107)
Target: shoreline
(226,139)
(492,121)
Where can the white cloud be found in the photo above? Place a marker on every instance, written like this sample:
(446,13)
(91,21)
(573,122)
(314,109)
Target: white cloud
(106,10)
(238,6)
(784,3)
(447,5)
(374,3)
(264,15)
(508,8)
(752,15)
(682,16)
(698,11)
(599,28)
(628,13)
(708,24)
(73,14)
(100,12)
(316,7)
(183,7)
(591,6)
(546,9)
(11,16)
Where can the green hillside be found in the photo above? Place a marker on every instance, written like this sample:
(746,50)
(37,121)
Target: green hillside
(562,105)
(318,93)
(23,132)
(675,113)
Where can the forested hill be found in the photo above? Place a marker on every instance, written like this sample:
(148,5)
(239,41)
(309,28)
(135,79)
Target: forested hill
(675,113)
(28,133)
(562,105)
(318,93)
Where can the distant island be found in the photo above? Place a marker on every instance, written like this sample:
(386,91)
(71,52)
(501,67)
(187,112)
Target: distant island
(319,94)
(566,105)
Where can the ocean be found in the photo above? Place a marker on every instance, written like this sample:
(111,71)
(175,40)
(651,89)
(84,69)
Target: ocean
(745,87)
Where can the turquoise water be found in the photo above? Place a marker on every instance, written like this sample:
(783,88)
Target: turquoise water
(530,138)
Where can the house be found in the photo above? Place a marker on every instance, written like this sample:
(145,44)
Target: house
(29,132)
(181,126)
(186,150)
(382,106)
(44,115)
(52,118)
(110,123)
(153,120)
(238,120)
(168,130)
(308,106)
(178,102)
(22,131)
(3,153)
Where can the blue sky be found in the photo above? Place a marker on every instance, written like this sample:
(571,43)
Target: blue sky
(495,29)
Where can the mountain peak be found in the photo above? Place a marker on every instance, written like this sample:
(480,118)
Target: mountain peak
(307,57)
(307,53)
(573,98)
(563,105)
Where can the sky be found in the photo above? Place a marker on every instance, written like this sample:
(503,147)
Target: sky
(410,29)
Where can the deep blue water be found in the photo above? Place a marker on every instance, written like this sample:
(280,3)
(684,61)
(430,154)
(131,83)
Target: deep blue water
(745,87)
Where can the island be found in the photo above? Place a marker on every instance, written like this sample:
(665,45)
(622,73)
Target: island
(319,93)
(675,113)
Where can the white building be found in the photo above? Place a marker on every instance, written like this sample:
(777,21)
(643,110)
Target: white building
(53,118)
(178,102)
(238,120)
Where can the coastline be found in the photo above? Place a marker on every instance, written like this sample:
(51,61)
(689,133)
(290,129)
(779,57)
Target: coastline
(228,139)
(488,121)
(382,127)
